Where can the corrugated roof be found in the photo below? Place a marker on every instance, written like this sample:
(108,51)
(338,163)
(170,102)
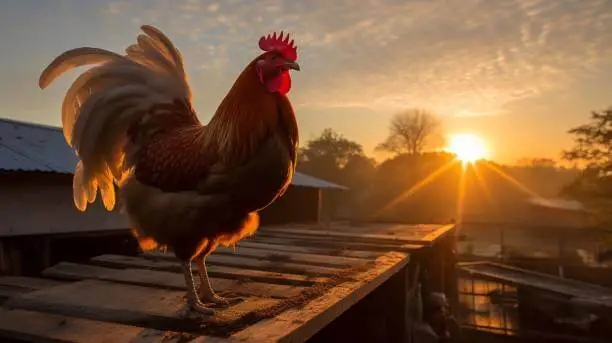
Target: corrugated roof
(35,147)
(300,179)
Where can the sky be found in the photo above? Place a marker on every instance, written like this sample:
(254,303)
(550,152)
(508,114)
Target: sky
(517,73)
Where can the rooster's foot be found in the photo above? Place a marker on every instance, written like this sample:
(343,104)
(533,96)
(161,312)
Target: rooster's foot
(221,301)
(216,300)
(195,308)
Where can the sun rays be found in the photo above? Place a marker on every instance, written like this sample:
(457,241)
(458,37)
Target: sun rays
(469,151)
(468,147)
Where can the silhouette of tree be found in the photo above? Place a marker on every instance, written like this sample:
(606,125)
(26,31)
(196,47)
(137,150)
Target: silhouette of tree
(593,150)
(359,171)
(411,131)
(593,143)
(326,155)
(333,157)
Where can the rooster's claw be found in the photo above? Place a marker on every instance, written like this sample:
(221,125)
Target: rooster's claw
(194,308)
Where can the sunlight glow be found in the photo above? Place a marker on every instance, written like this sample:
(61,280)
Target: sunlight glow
(513,181)
(409,192)
(468,147)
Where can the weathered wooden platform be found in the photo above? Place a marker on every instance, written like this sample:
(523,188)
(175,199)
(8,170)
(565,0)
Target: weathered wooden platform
(294,281)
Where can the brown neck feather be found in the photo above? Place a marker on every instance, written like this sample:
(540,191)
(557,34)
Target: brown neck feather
(247,114)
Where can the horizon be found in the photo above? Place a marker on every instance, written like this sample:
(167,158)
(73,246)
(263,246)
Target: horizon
(517,74)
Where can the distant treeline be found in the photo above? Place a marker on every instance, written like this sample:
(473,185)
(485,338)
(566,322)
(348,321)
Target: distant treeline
(426,187)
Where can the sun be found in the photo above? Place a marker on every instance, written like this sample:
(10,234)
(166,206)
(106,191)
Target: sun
(468,147)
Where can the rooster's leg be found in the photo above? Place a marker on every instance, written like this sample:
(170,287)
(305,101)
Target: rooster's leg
(193,302)
(207,294)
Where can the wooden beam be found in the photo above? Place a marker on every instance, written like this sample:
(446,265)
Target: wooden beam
(213,271)
(37,327)
(348,236)
(169,280)
(299,324)
(28,283)
(4,268)
(320,200)
(14,260)
(274,256)
(46,251)
(322,242)
(397,306)
(9,292)
(11,286)
(307,250)
(279,265)
(130,305)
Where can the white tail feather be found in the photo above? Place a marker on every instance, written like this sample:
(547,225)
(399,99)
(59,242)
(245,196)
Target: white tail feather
(79,192)
(105,101)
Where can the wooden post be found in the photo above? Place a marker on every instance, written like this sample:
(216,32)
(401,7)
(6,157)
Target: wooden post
(3,259)
(14,258)
(319,205)
(398,306)
(46,252)
(450,273)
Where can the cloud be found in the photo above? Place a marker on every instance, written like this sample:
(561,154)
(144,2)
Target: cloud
(116,7)
(456,57)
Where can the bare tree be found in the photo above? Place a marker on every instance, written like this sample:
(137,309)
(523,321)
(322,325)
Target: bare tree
(411,131)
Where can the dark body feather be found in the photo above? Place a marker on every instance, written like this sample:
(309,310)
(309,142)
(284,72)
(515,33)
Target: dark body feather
(238,164)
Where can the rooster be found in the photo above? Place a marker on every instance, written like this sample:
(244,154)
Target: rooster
(183,185)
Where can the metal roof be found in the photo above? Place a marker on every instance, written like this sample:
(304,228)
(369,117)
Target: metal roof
(303,180)
(36,147)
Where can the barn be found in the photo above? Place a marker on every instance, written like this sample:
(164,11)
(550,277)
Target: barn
(38,218)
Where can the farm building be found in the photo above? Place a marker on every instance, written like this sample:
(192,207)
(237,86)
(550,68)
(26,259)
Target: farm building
(38,217)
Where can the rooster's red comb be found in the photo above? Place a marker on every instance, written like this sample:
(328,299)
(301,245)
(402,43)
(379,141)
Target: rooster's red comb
(284,46)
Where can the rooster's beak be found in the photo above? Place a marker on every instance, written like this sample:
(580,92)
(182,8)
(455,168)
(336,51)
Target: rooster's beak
(292,65)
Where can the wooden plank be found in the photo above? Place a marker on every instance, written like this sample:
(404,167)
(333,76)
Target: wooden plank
(440,232)
(131,305)
(428,232)
(278,265)
(9,292)
(16,285)
(299,324)
(170,280)
(213,271)
(307,250)
(344,236)
(322,260)
(333,244)
(77,272)
(40,327)
(28,283)
(221,255)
